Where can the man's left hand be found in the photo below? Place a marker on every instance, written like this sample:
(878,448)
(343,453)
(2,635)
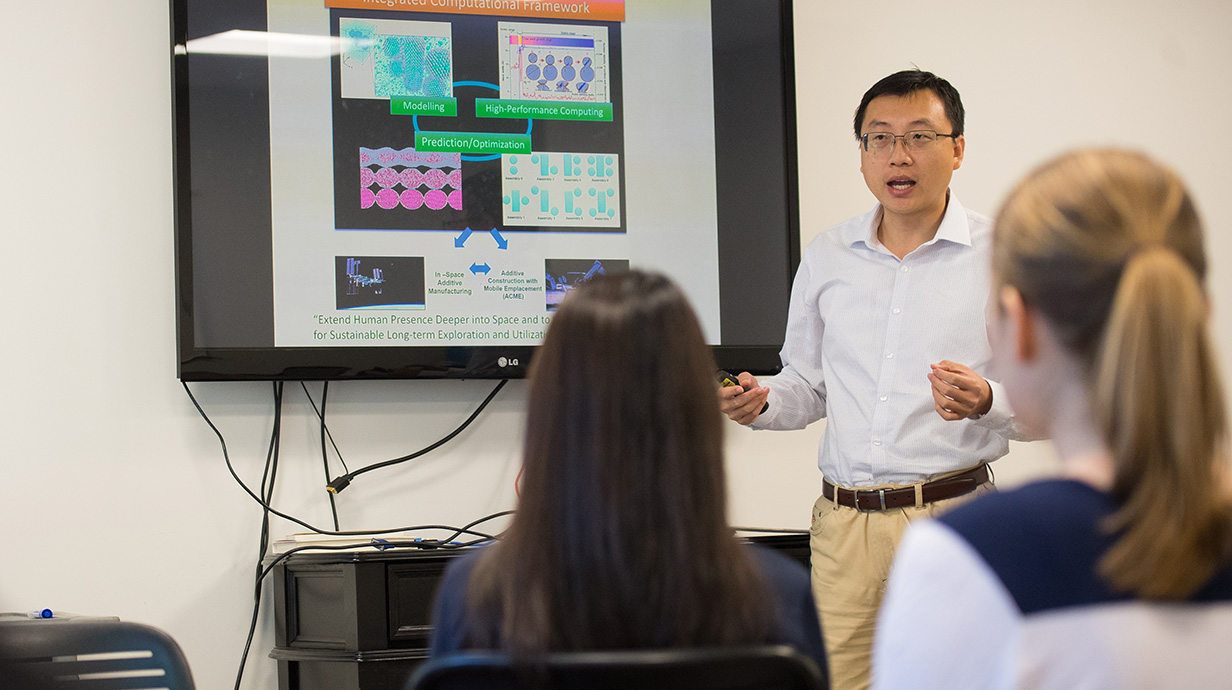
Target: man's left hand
(958,391)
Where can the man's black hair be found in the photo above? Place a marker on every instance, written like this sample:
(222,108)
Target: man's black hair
(908,82)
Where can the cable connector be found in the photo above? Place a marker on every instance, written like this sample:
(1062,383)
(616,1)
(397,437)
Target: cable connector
(340,483)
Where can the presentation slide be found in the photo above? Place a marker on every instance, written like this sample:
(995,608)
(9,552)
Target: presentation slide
(455,167)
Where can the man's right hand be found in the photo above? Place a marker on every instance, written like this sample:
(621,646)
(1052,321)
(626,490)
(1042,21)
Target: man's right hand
(742,404)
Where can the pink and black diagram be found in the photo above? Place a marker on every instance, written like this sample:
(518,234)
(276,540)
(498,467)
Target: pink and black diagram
(390,179)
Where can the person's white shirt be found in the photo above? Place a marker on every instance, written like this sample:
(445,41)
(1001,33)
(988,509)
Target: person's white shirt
(863,328)
(1004,593)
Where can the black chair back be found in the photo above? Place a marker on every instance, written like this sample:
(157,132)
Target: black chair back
(89,654)
(768,667)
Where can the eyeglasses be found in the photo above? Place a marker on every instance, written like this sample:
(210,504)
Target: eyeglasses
(878,143)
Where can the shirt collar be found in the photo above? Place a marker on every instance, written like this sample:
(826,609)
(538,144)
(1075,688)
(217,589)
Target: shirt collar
(953,228)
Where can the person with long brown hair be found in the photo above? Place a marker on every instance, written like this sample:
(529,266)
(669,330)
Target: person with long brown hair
(1117,573)
(621,539)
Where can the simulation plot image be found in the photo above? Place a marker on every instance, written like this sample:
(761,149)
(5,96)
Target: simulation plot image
(457,122)
(379,282)
(562,275)
(553,62)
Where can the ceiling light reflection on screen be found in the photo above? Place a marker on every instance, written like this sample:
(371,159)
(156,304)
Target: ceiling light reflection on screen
(262,43)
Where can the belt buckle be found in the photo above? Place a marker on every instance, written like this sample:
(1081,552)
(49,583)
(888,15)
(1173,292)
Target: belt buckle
(855,499)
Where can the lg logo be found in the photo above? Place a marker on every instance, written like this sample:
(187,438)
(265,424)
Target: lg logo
(503,362)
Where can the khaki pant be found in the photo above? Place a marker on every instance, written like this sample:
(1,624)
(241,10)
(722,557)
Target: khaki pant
(851,554)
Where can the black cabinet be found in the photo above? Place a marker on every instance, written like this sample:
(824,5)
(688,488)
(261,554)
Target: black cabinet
(353,620)
(360,620)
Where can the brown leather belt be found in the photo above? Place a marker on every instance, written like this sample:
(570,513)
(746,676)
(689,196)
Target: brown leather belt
(869,500)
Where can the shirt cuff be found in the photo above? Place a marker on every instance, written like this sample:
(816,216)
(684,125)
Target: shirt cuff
(999,418)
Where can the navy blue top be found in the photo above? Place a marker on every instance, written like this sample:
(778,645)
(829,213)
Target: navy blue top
(1044,541)
(788,579)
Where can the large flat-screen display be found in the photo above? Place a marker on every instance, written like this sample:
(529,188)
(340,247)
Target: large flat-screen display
(408,188)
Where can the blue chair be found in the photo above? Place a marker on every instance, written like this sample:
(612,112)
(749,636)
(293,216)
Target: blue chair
(89,654)
(767,667)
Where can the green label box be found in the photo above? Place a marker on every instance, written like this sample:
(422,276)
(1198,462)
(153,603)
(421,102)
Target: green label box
(472,142)
(543,110)
(417,105)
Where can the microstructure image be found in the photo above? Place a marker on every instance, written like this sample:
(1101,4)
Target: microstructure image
(392,178)
(561,189)
(412,66)
(385,58)
(357,41)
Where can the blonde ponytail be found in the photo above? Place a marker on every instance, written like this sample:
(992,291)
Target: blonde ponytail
(1108,246)
(1158,400)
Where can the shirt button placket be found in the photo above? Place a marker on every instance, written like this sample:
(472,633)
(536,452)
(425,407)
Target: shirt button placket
(880,423)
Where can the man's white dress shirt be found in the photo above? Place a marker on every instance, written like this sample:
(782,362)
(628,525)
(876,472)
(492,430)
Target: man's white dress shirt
(864,326)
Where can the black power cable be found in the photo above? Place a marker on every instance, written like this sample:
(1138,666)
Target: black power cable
(321,415)
(266,497)
(333,507)
(340,483)
(231,469)
(268,476)
(270,473)
(427,544)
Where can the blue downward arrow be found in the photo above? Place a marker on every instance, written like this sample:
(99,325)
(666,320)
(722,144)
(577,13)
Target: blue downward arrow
(461,239)
(480,268)
(500,241)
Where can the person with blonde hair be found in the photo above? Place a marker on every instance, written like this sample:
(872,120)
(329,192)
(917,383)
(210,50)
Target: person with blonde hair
(1118,572)
(621,539)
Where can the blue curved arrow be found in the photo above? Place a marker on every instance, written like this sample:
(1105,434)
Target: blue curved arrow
(530,124)
(461,239)
(500,241)
(480,268)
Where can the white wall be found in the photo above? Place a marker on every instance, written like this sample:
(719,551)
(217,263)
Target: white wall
(116,499)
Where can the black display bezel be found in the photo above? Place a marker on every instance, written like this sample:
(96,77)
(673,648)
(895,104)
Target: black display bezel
(755,130)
